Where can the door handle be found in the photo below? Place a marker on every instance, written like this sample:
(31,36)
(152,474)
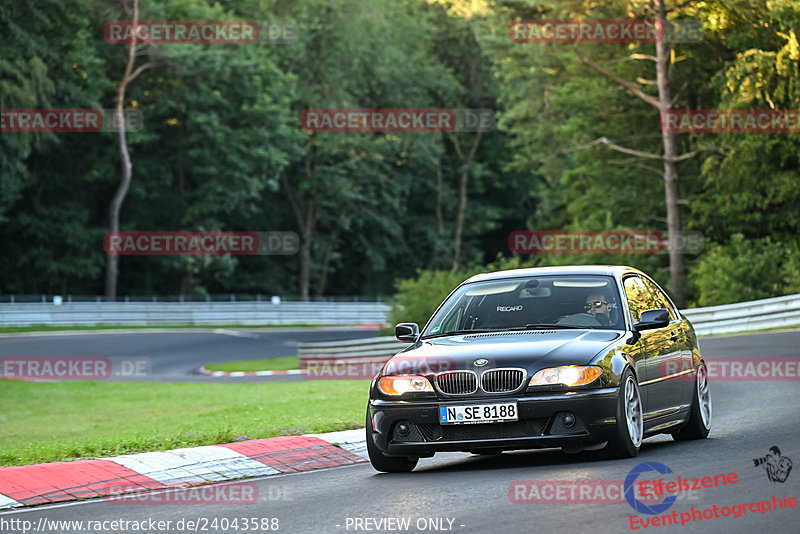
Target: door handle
(675,337)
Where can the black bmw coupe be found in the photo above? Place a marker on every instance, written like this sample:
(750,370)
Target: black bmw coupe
(582,358)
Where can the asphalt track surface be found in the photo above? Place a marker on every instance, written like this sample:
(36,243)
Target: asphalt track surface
(175,356)
(473,491)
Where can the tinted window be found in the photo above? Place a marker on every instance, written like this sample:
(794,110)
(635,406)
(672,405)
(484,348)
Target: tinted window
(660,297)
(639,298)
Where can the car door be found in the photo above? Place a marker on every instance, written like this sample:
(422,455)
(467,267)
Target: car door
(663,397)
(663,358)
(639,300)
(675,362)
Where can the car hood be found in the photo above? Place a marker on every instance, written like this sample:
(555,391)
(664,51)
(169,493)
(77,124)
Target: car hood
(531,350)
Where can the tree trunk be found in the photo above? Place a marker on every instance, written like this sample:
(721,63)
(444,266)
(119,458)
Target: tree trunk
(305,263)
(326,257)
(677,266)
(306,221)
(463,186)
(462,210)
(439,185)
(112,262)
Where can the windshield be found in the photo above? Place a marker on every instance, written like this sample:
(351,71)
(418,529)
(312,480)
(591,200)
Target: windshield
(530,303)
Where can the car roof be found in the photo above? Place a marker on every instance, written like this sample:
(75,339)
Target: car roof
(607,270)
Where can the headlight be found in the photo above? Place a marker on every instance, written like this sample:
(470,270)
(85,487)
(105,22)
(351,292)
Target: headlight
(399,384)
(569,375)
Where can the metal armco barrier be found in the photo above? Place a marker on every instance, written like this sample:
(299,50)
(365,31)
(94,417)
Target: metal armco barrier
(743,316)
(377,349)
(730,318)
(192,313)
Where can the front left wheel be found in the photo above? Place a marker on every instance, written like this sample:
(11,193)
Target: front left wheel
(629,430)
(381,462)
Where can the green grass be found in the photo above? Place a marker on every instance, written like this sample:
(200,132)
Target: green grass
(50,328)
(267,364)
(47,422)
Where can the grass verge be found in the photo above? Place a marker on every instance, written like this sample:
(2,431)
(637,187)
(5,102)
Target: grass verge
(47,422)
(283,363)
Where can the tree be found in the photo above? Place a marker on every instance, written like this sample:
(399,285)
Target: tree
(125,159)
(662,101)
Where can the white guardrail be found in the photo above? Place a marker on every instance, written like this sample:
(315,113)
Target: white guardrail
(743,316)
(192,313)
(730,318)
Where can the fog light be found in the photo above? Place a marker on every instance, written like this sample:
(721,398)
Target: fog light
(402,428)
(568,420)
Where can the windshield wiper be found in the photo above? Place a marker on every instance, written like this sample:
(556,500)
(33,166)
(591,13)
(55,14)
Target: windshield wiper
(459,332)
(544,326)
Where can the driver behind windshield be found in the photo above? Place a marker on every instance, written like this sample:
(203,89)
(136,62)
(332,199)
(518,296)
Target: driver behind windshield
(597,306)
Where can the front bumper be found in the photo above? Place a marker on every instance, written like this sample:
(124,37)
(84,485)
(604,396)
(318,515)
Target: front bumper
(540,425)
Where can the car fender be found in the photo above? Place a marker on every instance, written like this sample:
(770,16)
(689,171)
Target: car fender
(614,361)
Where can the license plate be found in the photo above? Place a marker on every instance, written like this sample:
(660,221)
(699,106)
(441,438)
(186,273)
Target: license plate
(477,413)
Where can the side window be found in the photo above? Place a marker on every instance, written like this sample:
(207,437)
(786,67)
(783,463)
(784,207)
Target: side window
(455,318)
(661,298)
(451,323)
(639,298)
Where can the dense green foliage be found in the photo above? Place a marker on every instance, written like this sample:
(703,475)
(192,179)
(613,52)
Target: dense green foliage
(222,147)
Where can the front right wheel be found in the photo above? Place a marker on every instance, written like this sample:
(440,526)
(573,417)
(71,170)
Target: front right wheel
(381,462)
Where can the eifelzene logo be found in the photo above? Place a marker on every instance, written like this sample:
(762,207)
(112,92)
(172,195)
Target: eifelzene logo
(509,308)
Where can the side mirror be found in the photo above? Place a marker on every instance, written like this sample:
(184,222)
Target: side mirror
(651,319)
(408,332)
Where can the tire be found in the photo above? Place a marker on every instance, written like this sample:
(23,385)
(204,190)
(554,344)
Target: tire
(383,463)
(629,431)
(699,422)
